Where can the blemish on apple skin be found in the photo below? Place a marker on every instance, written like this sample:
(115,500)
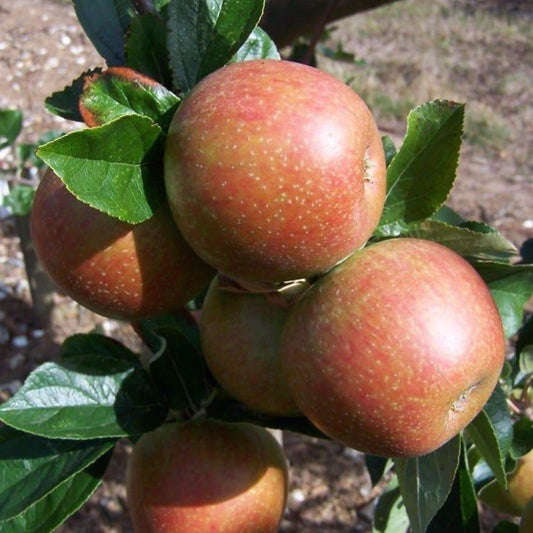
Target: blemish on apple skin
(458,406)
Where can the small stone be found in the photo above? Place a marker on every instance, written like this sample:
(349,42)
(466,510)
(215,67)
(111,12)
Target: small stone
(37,333)
(109,326)
(20,341)
(297,495)
(65,39)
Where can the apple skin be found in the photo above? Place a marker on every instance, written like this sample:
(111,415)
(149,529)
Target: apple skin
(526,521)
(274,171)
(113,268)
(240,333)
(396,350)
(206,476)
(514,499)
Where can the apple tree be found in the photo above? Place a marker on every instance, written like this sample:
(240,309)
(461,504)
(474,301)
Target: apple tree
(285,267)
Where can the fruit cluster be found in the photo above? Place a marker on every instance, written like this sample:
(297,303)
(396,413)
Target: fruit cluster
(275,177)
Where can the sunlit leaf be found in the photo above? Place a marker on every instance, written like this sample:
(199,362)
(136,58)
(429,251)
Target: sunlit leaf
(205,34)
(122,158)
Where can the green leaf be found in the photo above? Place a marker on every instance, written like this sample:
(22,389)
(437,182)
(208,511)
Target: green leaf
(95,343)
(526,251)
(48,513)
(377,467)
(114,168)
(481,473)
(525,336)
(426,481)
(448,215)
(421,174)
(512,287)
(388,148)
(32,467)
(459,513)
(146,48)
(85,397)
(104,25)
(492,433)
(182,320)
(337,54)
(125,10)
(525,360)
(179,370)
(258,46)
(10,126)
(205,34)
(118,92)
(390,515)
(20,199)
(522,437)
(523,356)
(471,244)
(65,103)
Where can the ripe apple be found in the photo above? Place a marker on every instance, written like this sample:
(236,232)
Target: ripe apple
(274,171)
(113,268)
(514,499)
(240,333)
(396,350)
(526,521)
(206,476)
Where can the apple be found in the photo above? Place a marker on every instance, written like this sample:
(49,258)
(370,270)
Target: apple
(396,350)
(206,476)
(514,499)
(274,171)
(526,521)
(111,267)
(240,334)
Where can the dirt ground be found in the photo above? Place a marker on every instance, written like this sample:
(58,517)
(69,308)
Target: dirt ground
(42,48)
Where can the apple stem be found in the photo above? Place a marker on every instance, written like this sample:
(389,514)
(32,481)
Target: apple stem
(513,407)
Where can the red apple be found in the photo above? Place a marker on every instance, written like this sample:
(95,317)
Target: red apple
(240,334)
(515,498)
(274,171)
(113,268)
(206,476)
(396,350)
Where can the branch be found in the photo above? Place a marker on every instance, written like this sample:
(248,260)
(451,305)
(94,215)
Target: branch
(285,20)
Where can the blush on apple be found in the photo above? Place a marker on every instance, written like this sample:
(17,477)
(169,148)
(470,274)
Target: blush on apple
(113,268)
(396,350)
(206,476)
(274,171)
